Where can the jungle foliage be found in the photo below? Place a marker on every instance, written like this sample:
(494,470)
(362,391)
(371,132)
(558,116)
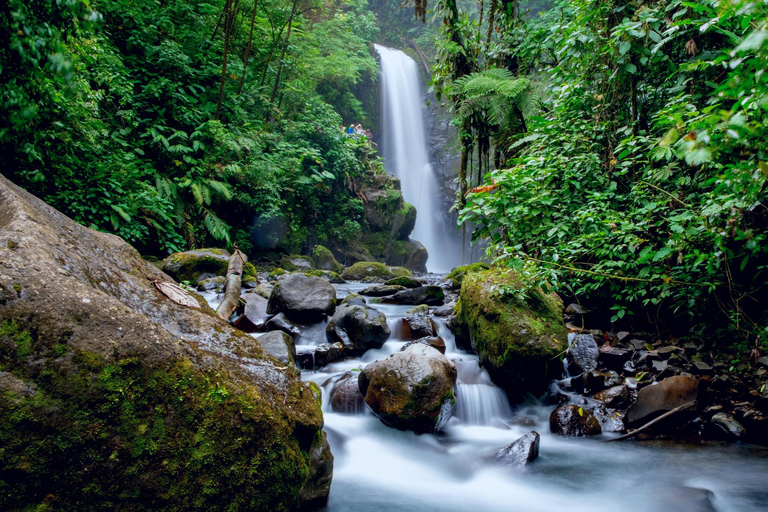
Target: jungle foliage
(185,123)
(639,178)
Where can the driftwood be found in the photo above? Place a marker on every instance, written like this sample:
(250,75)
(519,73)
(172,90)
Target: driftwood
(656,420)
(176,293)
(234,284)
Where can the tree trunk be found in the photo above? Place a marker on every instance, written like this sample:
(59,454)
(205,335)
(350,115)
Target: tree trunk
(491,20)
(248,48)
(282,54)
(234,285)
(229,17)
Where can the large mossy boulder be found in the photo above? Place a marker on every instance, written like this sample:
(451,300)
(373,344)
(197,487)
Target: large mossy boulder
(324,259)
(456,276)
(303,299)
(195,266)
(359,328)
(114,397)
(411,390)
(363,269)
(518,333)
(296,262)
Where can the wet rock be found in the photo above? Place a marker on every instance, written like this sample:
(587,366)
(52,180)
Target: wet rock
(328,353)
(435,342)
(410,254)
(303,299)
(359,328)
(297,262)
(728,424)
(517,337)
(328,275)
(664,396)
(411,390)
(353,299)
(659,366)
(88,327)
(405,282)
(317,487)
(446,310)
(613,358)
(324,259)
(263,289)
(256,310)
(519,453)
(597,381)
(212,283)
(346,396)
(418,326)
(667,351)
(249,282)
(572,420)
(576,309)
(381,291)
(610,421)
(429,295)
(702,367)
(763,361)
(456,277)
(421,309)
(194,266)
(363,269)
(614,397)
(280,322)
(582,354)
(280,345)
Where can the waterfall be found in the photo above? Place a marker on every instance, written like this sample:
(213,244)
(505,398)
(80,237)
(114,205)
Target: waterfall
(405,155)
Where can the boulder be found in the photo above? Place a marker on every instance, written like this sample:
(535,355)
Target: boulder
(595,381)
(280,322)
(518,336)
(296,262)
(194,266)
(328,353)
(421,309)
(314,493)
(353,299)
(572,420)
(280,345)
(303,299)
(359,328)
(410,254)
(418,326)
(404,281)
(613,397)
(212,283)
(728,424)
(519,453)
(411,390)
(435,342)
(346,396)
(614,358)
(116,396)
(263,289)
(456,276)
(381,291)
(582,354)
(661,397)
(324,259)
(255,311)
(446,310)
(250,282)
(363,269)
(429,295)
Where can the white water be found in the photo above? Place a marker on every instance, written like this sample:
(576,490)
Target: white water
(378,468)
(405,154)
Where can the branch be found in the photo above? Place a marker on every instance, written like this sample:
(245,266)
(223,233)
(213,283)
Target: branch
(665,415)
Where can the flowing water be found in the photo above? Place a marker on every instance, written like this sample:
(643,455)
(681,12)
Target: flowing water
(405,153)
(378,468)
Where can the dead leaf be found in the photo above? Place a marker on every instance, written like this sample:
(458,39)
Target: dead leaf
(176,293)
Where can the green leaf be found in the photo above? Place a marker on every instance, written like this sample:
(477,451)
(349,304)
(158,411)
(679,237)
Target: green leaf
(624,48)
(631,68)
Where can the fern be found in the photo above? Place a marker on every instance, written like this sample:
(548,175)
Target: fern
(216,227)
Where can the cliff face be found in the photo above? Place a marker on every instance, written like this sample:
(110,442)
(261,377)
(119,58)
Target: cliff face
(114,396)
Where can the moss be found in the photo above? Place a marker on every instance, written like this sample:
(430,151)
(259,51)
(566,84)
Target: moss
(191,266)
(17,289)
(516,333)
(405,281)
(331,277)
(365,269)
(276,273)
(21,339)
(456,276)
(297,262)
(250,271)
(325,260)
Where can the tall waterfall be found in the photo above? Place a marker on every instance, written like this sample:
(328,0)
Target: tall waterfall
(406,156)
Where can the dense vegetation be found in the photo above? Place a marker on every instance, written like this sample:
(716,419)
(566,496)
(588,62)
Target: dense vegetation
(617,152)
(178,124)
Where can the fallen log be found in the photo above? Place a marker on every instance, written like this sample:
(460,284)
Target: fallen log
(234,283)
(665,415)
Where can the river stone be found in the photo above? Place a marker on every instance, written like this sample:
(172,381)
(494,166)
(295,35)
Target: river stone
(359,328)
(728,424)
(212,283)
(139,403)
(404,281)
(519,453)
(613,358)
(418,326)
(421,309)
(324,259)
(411,390)
(582,354)
(280,345)
(303,299)
(345,395)
(296,262)
(519,336)
(572,420)
(194,266)
(353,299)
(381,291)
(597,381)
(256,310)
(363,269)
(664,396)
(435,342)
(280,322)
(429,295)
(263,289)
(446,310)
(314,493)
(613,397)
(328,353)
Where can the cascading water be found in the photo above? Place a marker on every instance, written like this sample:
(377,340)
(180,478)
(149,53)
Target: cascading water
(405,154)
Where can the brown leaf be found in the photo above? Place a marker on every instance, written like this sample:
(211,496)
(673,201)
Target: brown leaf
(176,293)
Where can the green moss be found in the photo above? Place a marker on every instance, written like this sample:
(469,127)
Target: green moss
(325,260)
(456,276)
(406,281)
(21,339)
(365,269)
(276,273)
(250,271)
(17,289)
(296,262)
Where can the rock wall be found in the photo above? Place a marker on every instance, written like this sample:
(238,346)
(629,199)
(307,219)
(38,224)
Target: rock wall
(114,397)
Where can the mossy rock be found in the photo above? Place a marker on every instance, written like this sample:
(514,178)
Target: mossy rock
(328,275)
(276,273)
(364,269)
(517,333)
(404,281)
(114,397)
(324,259)
(297,262)
(456,276)
(194,266)
(405,221)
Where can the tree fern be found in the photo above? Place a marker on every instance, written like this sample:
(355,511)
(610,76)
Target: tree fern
(496,91)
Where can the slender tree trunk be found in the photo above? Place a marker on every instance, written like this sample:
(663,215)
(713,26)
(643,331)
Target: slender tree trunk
(282,54)
(234,284)
(248,48)
(480,24)
(229,17)
(491,20)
